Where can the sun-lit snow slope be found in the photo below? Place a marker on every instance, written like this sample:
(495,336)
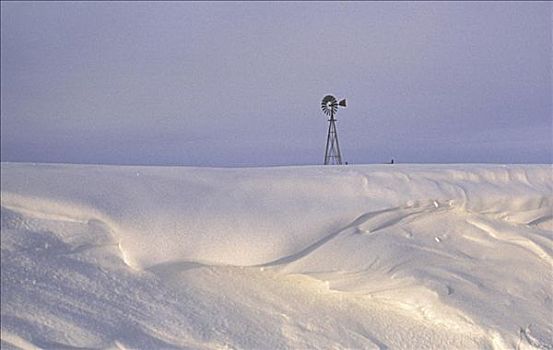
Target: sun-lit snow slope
(380,256)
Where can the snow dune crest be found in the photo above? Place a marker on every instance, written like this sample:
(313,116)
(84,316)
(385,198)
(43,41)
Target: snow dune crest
(254,216)
(464,248)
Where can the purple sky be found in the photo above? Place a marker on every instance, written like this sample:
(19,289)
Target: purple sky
(240,84)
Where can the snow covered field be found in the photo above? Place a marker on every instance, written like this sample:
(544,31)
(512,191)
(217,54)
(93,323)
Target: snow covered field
(362,257)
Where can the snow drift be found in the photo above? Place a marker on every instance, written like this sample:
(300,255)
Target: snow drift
(379,256)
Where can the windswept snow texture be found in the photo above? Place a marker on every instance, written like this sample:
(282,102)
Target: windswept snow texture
(371,257)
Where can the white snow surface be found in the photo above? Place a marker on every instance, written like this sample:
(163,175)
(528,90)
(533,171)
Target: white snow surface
(357,257)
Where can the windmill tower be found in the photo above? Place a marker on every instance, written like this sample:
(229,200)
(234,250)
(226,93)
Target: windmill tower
(329,106)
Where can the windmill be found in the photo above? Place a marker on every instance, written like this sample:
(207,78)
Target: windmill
(329,106)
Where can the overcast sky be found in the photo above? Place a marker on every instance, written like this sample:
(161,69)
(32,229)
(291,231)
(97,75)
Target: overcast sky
(240,84)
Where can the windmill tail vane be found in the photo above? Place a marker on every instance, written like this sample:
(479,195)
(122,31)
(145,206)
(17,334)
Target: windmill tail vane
(329,106)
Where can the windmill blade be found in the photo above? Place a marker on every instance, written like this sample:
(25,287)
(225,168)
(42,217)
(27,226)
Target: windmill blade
(329,104)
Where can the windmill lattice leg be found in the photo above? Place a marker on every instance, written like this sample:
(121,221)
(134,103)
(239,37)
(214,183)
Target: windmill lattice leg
(332,152)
